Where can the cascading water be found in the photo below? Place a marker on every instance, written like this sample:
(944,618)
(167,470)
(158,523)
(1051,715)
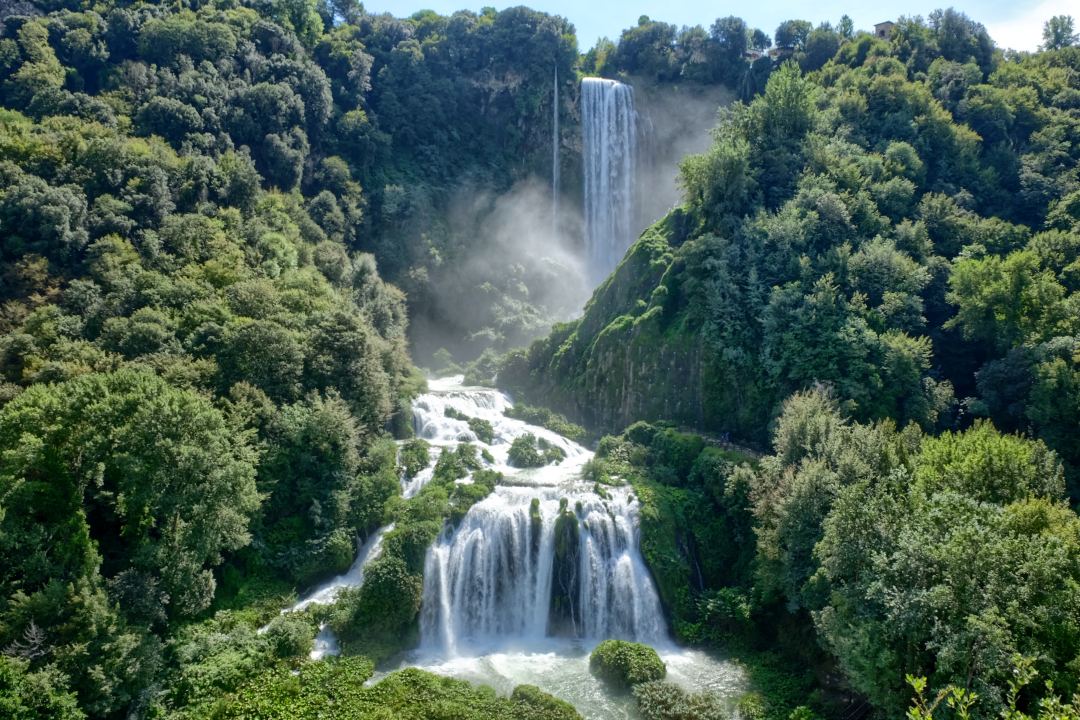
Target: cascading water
(533,576)
(610,139)
(542,555)
(326,643)
(538,572)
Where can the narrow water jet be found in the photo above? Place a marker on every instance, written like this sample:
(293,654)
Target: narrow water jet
(555,156)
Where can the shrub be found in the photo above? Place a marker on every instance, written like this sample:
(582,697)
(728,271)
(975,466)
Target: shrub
(625,664)
(482,429)
(414,457)
(529,451)
(291,635)
(659,700)
(547,419)
(532,703)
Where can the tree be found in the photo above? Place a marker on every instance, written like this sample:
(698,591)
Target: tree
(40,695)
(732,39)
(792,34)
(1058,33)
(846,27)
(164,483)
(244,358)
(1004,302)
(819,47)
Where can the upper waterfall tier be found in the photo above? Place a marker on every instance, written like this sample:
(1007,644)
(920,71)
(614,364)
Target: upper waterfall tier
(610,146)
(543,555)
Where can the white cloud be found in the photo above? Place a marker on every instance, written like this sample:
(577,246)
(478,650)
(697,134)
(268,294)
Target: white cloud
(1023,29)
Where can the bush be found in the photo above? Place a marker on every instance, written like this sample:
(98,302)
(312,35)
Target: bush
(528,451)
(379,619)
(659,700)
(532,703)
(547,419)
(625,664)
(291,635)
(483,430)
(414,457)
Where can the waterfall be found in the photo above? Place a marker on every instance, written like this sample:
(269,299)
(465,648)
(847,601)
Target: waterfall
(326,643)
(609,128)
(555,157)
(543,555)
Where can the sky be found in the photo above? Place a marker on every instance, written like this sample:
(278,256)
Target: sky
(1013,24)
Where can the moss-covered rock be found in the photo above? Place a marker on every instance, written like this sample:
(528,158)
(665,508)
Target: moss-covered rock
(546,418)
(624,664)
(625,359)
(660,700)
(481,428)
(565,581)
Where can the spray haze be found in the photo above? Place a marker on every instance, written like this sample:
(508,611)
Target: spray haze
(516,272)
(516,262)
(676,121)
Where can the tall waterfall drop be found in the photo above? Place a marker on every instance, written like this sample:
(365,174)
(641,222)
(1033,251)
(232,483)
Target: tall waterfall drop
(555,157)
(610,139)
(543,555)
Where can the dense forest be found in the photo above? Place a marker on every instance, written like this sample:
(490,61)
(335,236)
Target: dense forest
(841,378)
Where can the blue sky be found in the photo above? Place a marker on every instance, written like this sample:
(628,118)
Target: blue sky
(1012,23)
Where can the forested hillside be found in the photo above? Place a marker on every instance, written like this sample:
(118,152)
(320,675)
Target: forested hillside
(864,320)
(900,224)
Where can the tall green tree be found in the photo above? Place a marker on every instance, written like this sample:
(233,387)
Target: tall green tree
(1058,32)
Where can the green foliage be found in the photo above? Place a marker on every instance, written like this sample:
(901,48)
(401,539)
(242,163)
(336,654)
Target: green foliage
(659,700)
(959,702)
(529,451)
(625,664)
(380,618)
(291,635)
(531,703)
(481,428)
(874,534)
(1058,33)
(545,418)
(986,466)
(413,457)
(892,220)
(38,695)
(409,694)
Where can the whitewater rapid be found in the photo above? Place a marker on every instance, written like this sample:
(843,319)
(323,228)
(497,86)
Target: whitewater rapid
(489,581)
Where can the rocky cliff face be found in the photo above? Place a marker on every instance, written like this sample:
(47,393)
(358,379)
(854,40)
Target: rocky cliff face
(633,355)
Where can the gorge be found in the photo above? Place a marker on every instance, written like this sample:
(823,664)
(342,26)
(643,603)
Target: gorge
(376,367)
